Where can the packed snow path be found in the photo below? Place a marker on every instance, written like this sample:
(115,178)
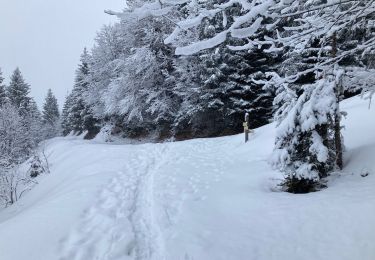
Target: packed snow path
(122,224)
(124,207)
(205,199)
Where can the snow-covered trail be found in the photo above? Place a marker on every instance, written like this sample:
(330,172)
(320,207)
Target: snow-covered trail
(140,201)
(120,224)
(204,199)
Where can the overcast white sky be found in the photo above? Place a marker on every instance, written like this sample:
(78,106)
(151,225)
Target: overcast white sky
(45,39)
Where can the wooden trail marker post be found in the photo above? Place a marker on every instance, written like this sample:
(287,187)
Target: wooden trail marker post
(246,125)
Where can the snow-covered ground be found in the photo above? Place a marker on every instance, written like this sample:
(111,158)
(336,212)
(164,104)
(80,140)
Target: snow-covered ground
(204,199)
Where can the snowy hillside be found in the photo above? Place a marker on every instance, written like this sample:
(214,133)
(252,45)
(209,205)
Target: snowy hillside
(205,199)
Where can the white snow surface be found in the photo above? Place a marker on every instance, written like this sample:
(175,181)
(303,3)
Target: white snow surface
(204,199)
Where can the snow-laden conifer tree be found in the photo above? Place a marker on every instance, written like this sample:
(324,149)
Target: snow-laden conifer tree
(3,95)
(109,48)
(131,82)
(18,90)
(225,89)
(168,97)
(77,114)
(78,106)
(18,97)
(36,167)
(20,132)
(51,112)
(15,141)
(51,115)
(305,137)
(33,122)
(65,120)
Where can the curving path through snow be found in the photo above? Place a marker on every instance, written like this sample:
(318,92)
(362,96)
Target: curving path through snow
(133,213)
(204,199)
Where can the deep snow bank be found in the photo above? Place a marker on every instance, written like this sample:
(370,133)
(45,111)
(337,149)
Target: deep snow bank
(204,199)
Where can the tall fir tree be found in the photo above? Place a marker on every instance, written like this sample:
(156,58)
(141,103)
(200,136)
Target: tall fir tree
(78,116)
(51,116)
(18,91)
(226,85)
(3,95)
(18,97)
(15,141)
(51,112)
(65,119)
(33,122)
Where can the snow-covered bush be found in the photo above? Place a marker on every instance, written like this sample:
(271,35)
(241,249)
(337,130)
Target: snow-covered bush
(105,134)
(36,167)
(13,184)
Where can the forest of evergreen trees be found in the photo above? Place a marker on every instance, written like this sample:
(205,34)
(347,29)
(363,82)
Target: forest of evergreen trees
(22,128)
(188,69)
(134,82)
(193,68)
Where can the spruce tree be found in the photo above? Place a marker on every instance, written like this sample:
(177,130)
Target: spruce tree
(229,89)
(3,96)
(36,167)
(15,139)
(87,121)
(50,116)
(32,119)
(226,83)
(65,119)
(77,113)
(18,90)
(51,112)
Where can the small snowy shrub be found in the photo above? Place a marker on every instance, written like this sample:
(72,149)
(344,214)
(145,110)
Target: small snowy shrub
(105,134)
(36,167)
(365,172)
(13,183)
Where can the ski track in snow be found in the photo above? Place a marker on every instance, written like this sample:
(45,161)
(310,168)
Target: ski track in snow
(143,200)
(124,207)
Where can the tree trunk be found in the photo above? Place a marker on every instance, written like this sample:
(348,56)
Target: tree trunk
(337,127)
(338,141)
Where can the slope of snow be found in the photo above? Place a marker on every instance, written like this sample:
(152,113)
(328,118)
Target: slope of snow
(204,199)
